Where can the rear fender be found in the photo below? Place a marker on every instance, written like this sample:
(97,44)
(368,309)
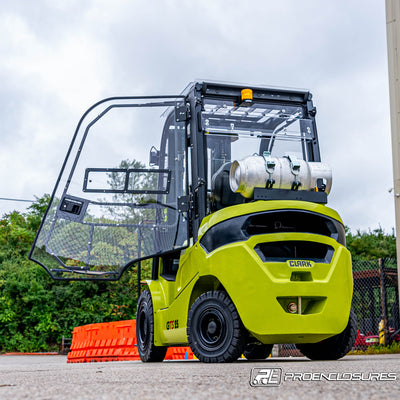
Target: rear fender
(204,284)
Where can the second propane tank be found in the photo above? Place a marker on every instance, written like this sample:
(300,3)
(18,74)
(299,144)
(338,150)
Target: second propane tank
(286,172)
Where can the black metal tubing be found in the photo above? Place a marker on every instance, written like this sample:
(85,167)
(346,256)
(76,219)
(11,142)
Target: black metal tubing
(126,185)
(313,148)
(211,89)
(155,268)
(90,109)
(150,226)
(139,264)
(81,272)
(198,159)
(99,273)
(156,205)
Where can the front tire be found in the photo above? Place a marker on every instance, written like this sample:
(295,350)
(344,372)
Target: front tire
(214,328)
(148,352)
(334,347)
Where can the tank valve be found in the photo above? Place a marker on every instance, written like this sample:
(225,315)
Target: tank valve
(292,308)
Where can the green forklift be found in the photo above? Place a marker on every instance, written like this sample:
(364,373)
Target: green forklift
(229,210)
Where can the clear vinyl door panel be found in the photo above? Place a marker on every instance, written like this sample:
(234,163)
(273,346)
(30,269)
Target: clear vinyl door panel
(117,197)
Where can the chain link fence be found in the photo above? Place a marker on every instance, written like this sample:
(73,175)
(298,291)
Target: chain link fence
(375,298)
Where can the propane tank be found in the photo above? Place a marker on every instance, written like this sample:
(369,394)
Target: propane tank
(286,172)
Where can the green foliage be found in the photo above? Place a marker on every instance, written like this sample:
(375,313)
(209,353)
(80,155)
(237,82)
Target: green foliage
(138,181)
(36,311)
(371,245)
(394,348)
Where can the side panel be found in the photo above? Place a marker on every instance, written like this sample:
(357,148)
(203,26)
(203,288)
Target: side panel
(118,197)
(170,320)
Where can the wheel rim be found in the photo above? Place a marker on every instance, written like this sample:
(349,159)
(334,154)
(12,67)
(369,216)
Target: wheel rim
(212,328)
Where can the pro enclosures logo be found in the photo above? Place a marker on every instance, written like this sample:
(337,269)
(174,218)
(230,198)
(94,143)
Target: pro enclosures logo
(266,377)
(262,377)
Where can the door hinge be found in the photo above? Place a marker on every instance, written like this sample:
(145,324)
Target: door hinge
(182,112)
(185,203)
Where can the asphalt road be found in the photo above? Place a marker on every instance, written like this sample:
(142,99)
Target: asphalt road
(50,377)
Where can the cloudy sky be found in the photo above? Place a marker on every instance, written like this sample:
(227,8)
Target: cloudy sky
(58,57)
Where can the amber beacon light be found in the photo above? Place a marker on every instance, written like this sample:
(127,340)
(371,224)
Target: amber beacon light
(247,95)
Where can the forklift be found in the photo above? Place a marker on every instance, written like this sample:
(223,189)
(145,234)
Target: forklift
(229,209)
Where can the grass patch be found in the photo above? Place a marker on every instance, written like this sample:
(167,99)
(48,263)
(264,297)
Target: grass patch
(394,348)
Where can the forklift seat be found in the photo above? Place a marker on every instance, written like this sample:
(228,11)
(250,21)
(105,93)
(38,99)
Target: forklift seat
(222,195)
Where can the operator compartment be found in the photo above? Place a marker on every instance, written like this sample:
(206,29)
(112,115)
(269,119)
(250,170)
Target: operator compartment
(262,148)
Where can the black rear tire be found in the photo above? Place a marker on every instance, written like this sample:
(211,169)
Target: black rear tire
(334,347)
(214,328)
(148,352)
(257,351)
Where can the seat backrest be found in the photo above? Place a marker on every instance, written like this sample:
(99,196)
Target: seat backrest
(222,195)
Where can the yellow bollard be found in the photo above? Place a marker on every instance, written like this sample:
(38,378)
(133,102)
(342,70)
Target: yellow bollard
(382,332)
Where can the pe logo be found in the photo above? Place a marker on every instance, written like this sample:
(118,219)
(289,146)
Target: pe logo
(265,377)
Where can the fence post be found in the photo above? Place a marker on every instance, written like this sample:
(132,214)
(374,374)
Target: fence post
(383,299)
(62,344)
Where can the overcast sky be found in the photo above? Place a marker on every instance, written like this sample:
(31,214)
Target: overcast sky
(58,57)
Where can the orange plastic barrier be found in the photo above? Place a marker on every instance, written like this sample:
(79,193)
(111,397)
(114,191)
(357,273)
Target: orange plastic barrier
(112,341)
(179,353)
(79,345)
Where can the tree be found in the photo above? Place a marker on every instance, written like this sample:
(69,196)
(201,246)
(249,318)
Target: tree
(132,208)
(36,311)
(371,245)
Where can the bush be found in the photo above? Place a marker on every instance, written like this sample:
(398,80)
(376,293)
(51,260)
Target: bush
(371,245)
(35,311)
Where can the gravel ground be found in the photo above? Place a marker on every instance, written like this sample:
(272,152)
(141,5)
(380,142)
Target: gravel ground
(50,377)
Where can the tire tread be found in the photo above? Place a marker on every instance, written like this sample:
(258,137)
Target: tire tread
(334,347)
(235,348)
(151,353)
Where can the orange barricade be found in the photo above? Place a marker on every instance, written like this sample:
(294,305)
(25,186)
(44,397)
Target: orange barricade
(179,353)
(112,341)
(79,345)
